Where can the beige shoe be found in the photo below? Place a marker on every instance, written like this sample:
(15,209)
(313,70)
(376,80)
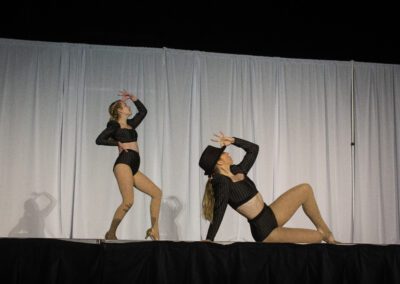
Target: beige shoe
(109,236)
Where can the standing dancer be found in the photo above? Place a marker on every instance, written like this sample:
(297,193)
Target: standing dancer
(229,184)
(121,132)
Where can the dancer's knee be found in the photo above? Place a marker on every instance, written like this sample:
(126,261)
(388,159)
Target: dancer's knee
(306,188)
(157,194)
(126,205)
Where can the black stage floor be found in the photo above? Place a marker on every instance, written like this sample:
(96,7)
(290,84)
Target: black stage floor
(95,261)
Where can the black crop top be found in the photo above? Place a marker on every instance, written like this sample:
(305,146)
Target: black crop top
(114,133)
(233,193)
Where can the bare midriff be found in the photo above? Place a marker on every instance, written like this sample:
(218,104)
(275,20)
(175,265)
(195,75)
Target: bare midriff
(252,208)
(131,145)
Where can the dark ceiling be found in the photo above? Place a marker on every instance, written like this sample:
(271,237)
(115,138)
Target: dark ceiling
(365,34)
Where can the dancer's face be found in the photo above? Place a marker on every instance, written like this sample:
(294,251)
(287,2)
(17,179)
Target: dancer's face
(225,159)
(125,109)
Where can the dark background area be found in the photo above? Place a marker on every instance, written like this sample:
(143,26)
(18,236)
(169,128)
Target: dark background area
(290,30)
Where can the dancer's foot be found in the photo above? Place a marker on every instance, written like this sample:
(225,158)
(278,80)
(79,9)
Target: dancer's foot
(328,237)
(110,236)
(152,233)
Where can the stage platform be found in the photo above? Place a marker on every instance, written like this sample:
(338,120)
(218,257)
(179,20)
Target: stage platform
(98,261)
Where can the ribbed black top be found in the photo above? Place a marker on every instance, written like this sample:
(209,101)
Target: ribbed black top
(114,133)
(233,193)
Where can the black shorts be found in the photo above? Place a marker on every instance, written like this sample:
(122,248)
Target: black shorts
(263,224)
(130,158)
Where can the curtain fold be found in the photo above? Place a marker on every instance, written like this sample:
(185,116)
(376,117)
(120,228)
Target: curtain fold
(376,161)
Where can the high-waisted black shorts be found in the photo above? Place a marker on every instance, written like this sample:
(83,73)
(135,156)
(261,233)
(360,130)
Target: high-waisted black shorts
(130,158)
(263,224)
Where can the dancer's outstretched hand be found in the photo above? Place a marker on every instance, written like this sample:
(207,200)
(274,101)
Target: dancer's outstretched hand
(126,95)
(222,139)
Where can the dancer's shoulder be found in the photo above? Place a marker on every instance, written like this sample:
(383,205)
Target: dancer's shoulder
(113,123)
(219,179)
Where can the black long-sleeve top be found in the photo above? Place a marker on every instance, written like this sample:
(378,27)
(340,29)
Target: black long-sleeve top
(233,193)
(114,133)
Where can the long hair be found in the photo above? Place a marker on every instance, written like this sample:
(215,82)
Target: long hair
(113,109)
(208,201)
(209,198)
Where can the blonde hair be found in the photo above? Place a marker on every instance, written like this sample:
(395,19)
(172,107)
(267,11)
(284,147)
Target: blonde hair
(113,110)
(208,201)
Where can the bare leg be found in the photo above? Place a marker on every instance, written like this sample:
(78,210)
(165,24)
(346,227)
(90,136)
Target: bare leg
(144,184)
(287,204)
(123,174)
(293,235)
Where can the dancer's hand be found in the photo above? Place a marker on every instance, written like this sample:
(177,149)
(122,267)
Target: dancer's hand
(126,95)
(222,139)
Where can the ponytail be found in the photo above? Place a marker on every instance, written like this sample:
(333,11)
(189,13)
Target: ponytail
(208,201)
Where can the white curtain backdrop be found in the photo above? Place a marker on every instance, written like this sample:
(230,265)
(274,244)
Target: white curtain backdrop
(377,121)
(56,182)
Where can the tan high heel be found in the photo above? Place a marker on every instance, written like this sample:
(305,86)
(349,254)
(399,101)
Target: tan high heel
(108,236)
(328,237)
(150,233)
